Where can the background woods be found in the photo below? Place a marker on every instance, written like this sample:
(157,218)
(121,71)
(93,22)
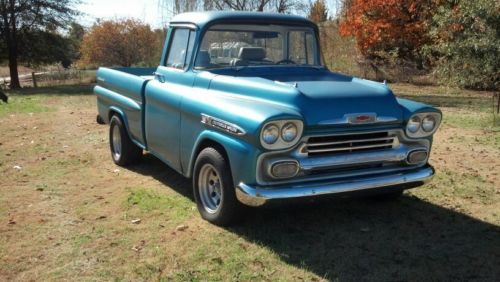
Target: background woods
(121,43)
(445,42)
(69,213)
(28,28)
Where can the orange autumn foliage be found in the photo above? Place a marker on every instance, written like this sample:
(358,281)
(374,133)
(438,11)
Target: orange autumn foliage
(385,25)
(122,42)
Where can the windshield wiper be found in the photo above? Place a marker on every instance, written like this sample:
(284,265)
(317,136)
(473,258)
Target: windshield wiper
(238,68)
(315,67)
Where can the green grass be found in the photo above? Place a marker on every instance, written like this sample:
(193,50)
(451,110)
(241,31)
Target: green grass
(469,110)
(34,100)
(61,90)
(472,120)
(3,210)
(81,240)
(491,139)
(466,186)
(446,97)
(229,254)
(24,105)
(144,201)
(422,235)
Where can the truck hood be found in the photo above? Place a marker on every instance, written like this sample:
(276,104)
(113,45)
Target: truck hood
(320,96)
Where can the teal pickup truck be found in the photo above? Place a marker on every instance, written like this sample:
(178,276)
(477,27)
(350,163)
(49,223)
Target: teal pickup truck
(243,104)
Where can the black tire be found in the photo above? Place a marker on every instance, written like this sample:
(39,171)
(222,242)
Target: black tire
(128,153)
(99,120)
(228,210)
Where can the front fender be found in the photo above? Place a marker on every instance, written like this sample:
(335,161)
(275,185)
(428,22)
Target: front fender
(410,107)
(242,155)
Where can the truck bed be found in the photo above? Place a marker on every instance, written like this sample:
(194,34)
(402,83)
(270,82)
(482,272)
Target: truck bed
(121,90)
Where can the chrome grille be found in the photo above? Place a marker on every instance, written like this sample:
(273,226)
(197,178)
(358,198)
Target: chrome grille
(337,144)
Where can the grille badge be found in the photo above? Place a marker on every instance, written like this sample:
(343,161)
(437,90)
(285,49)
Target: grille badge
(359,118)
(362,118)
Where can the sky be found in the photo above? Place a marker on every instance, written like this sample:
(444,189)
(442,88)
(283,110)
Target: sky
(146,10)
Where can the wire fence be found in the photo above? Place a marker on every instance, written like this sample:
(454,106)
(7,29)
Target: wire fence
(52,78)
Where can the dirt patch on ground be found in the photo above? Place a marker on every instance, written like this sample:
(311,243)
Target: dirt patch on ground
(67,212)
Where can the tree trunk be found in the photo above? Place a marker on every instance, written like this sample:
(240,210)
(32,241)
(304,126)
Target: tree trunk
(14,75)
(11,38)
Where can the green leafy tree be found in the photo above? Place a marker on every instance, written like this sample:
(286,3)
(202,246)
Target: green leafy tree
(466,43)
(40,47)
(75,38)
(30,16)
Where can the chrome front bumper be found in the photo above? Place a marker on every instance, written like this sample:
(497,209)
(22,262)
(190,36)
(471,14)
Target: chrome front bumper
(259,195)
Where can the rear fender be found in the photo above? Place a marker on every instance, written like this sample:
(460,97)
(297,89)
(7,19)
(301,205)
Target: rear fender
(116,111)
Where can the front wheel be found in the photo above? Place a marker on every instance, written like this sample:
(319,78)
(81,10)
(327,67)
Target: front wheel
(213,189)
(123,151)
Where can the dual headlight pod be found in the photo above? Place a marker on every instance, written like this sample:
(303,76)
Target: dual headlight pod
(281,134)
(423,124)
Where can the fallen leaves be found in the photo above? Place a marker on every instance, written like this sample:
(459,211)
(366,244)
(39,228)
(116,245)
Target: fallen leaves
(181,227)
(139,247)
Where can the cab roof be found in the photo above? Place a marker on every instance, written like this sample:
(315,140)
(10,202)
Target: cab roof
(203,19)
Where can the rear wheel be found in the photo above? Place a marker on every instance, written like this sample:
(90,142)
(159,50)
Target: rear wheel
(123,151)
(213,189)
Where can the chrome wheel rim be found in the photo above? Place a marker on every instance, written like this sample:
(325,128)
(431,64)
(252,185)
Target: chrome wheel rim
(210,188)
(117,143)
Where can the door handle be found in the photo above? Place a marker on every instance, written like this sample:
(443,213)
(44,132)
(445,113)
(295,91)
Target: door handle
(160,77)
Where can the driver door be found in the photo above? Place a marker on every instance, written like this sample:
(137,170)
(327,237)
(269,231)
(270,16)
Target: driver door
(164,96)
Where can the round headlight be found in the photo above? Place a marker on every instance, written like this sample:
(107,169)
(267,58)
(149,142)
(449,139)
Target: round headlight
(270,134)
(428,123)
(413,124)
(289,132)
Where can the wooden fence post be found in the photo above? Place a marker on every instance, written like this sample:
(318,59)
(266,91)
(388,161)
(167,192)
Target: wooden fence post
(34,79)
(498,103)
(496,111)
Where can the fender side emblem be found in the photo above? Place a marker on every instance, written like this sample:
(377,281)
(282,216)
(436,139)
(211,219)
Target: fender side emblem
(222,125)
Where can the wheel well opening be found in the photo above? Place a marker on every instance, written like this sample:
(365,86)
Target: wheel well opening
(210,143)
(112,113)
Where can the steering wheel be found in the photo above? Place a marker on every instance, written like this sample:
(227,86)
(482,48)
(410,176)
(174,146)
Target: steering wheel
(286,61)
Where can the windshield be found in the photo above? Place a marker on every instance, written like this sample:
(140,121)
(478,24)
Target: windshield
(257,45)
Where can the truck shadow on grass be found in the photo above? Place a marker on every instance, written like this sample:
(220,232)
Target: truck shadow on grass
(365,239)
